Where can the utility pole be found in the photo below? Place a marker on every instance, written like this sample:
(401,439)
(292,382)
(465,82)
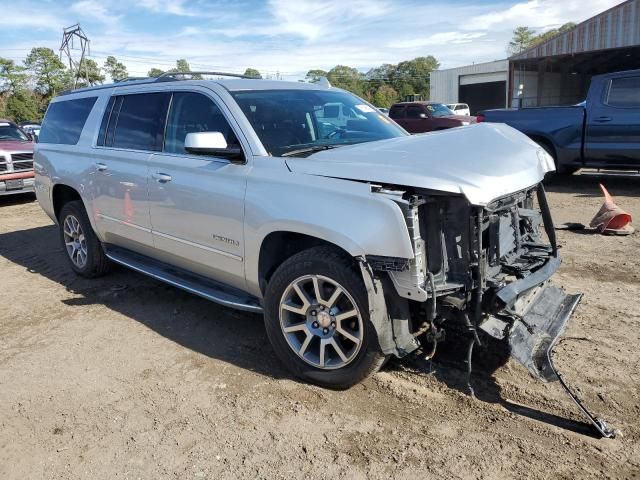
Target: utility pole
(70,36)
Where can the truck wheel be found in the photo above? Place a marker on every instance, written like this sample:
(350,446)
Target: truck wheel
(84,250)
(317,319)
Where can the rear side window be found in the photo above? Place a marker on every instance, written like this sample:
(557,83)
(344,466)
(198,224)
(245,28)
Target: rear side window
(65,120)
(624,92)
(396,111)
(135,121)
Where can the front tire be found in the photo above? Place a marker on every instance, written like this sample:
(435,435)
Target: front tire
(80,243)
(317,319)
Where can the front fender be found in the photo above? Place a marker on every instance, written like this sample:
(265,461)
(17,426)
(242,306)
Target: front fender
(341,212)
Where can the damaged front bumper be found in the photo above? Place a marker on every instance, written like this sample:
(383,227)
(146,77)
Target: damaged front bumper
(475,268)
(540,318)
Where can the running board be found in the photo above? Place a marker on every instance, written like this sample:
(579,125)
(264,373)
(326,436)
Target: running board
(192,283)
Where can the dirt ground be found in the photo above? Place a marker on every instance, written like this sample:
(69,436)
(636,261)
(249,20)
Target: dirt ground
(125,377)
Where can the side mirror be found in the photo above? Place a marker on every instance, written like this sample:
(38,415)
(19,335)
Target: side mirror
(212,143)
(423,115)
(30,136)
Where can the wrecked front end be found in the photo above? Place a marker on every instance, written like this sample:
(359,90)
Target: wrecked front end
(478,270)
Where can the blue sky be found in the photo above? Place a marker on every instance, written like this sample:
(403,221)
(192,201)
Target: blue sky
(285,36)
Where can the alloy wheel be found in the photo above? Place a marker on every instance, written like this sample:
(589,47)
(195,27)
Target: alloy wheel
(75,241)
(321,322)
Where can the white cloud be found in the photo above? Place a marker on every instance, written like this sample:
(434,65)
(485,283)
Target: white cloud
(292,36)
(92,9)
(26,17)
(311,18)
(169,7)
(541,14)
(442,38)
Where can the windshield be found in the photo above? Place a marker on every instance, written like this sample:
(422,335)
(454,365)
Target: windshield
(290,120)
(439,110)
(11,132)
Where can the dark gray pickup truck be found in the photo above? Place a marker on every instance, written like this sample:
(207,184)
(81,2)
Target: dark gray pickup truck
(601,132)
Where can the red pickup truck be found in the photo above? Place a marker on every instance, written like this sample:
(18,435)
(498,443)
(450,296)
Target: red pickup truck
(419,117)
(16,159)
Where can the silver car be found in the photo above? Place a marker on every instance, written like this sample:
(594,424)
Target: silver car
(355,239)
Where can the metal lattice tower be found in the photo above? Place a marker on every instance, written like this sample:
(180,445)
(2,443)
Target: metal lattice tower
(70,36)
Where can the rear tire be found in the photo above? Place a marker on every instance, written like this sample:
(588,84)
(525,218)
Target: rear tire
(80,243)
(339,319)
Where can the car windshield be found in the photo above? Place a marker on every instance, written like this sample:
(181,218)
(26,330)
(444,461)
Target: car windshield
(439,110)
(11,132)
(289,121)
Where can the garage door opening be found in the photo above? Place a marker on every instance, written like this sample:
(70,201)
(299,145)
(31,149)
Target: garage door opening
(482,96)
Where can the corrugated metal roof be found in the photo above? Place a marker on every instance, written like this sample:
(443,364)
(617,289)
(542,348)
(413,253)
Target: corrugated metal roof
(614,28)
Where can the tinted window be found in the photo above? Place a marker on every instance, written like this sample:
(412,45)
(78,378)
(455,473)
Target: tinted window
(396,111)
(8,131)
(139,124)
(624,92)
(193,112)
(414,111)
(64,121)
(105,121)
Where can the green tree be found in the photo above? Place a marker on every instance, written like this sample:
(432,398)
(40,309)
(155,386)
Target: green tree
(12,76)
(49,73)
(115,69)
(313,76)
(348,78)
(522,38)
(89,73)
(155,72)
(385,96)
(412,76)
(252,72)
(22,106)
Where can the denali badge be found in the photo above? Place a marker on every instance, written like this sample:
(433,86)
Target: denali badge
(228,241)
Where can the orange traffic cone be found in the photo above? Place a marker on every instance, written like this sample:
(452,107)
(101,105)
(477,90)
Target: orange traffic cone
(611,219)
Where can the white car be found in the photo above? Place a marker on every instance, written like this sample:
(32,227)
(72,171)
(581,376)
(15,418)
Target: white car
(460,108)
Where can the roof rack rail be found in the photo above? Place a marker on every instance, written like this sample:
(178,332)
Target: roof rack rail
(132,79)
(171,76)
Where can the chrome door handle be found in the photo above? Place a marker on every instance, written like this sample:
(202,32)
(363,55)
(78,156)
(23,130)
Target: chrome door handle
(161,177)
(101,167)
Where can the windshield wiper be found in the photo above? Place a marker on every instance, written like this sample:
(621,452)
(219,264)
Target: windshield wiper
(314,149)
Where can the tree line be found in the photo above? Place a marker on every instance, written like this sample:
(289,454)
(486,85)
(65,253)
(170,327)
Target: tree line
(25,90)
(383,85)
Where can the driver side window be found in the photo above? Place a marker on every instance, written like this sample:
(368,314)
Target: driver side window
(191,113)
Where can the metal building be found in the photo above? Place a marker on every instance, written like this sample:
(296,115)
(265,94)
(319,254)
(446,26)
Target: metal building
(482,85)
(556,72)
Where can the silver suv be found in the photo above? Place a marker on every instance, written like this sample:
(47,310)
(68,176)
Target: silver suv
(357,240)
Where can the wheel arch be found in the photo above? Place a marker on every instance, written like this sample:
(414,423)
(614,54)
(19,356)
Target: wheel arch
(62,194)
(279,245)
(547,144)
